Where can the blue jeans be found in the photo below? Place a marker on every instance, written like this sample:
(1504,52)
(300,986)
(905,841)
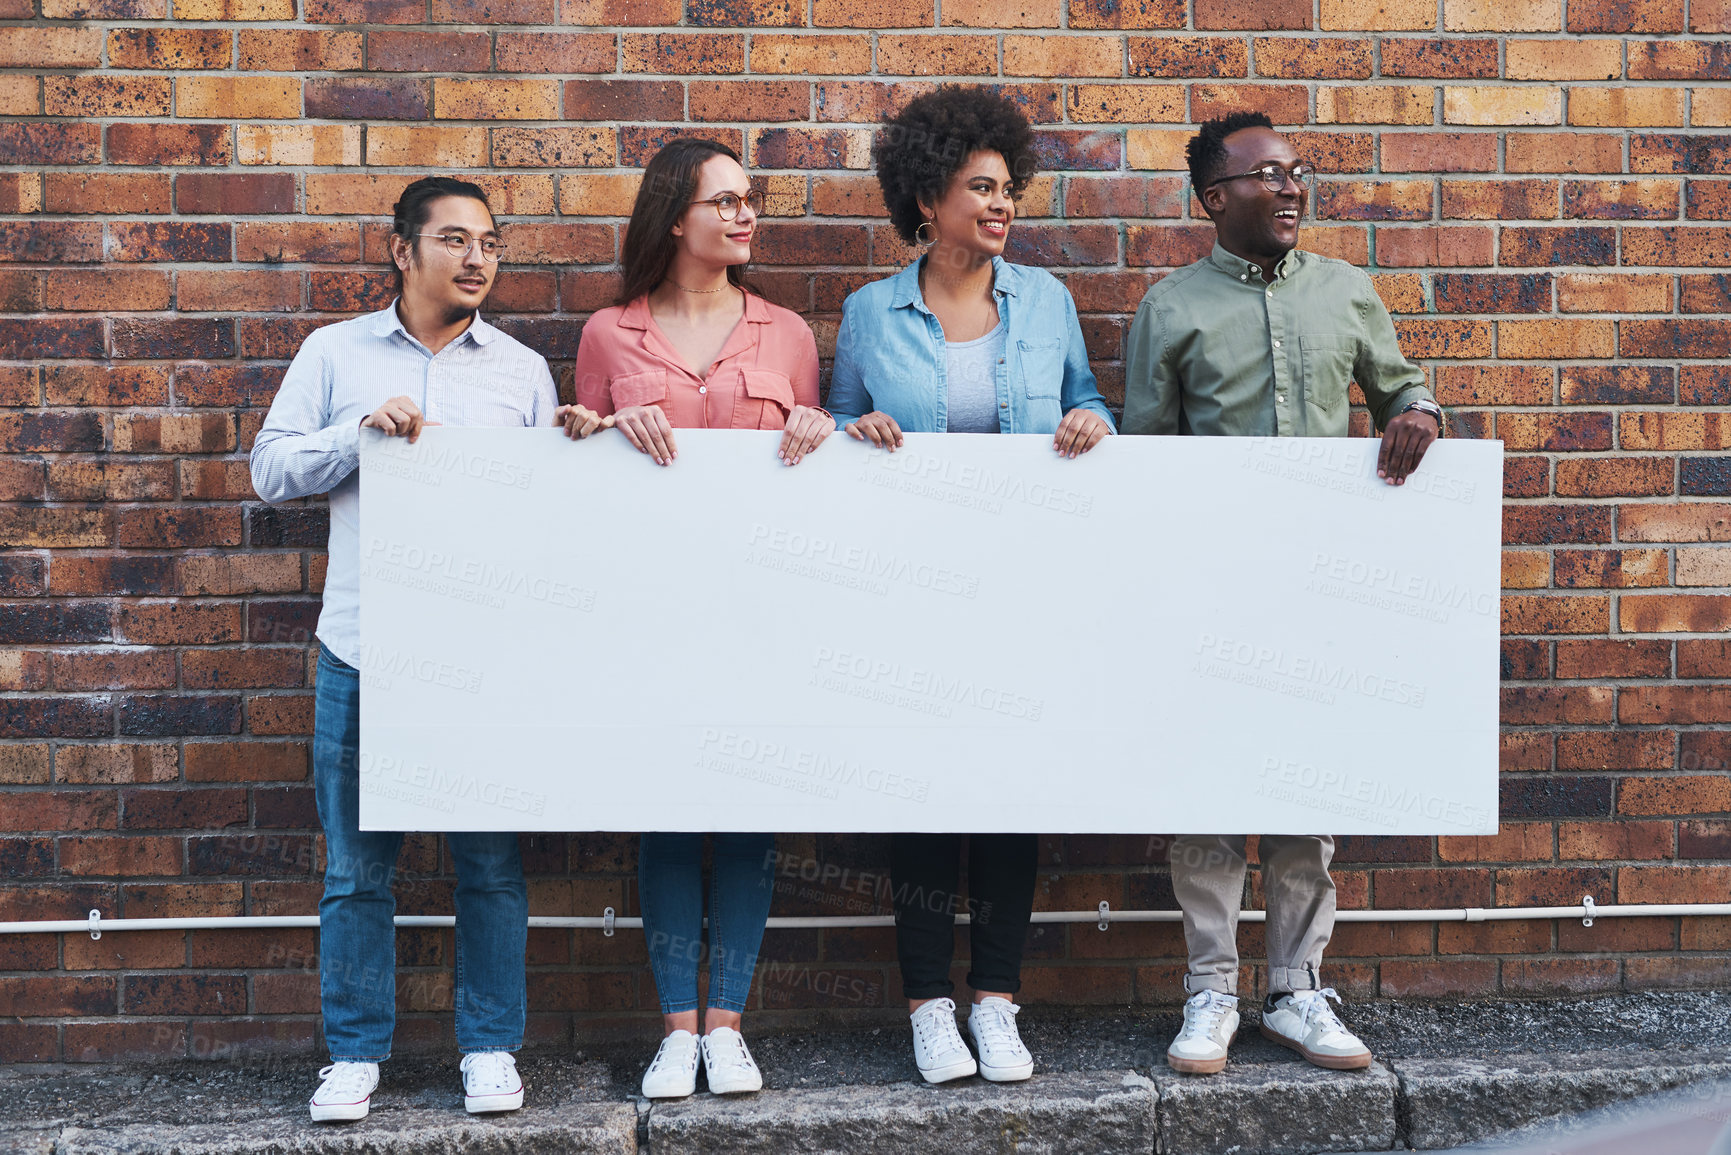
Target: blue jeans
(670,885)
(357,939)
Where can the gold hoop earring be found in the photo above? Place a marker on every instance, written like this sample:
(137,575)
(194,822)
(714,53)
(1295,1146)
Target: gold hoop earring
(920,240)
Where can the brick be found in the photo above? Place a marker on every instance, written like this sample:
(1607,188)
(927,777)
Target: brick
(1437,152)
(1548,524)
(1674,152)
(177,623)
(1491,16)
(1452,978)
(51,47)
(1558,245)
(1452,59)
(298,144)
(1189,56)
(1395,200)
(1068,56)
(860,14)
(1608,841)
(1616,750)
(1625,16)
(261,290)
(1689,338)
(111,856)
(430,147)
(1615,293)
(1681,705)
(274,242)
(947,55)
(1555,338)
(627,99)
(106,290)
(1608,658)
(1698,245)
(1706,293)
(455,99)
(1293,58)
(1496,293)
(1564,60)
(167,338)
(1502,105)
(552,148)
(173,48)
(298,50)
(1657,430)
(234,10)
(1691,522)
(1690,60)
(1281,103)
(1445,245)
(371,98)
(1547,705)
(416,50)
(1674,613)
(249,97)
(1564,152)
(556,52)
(62,144)
(117,764)
(169,144)
(1127,14)
(1375,104)
(103,96)
(113,573)
(235,194)
(986,14)
(107,193)
(1378,16)
(829,55)
(45,996)
(1703,567)
(1120,103)
(1625,107)
(683,53)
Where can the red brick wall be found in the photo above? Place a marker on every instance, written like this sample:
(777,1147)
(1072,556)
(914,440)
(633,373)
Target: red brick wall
(1544,201)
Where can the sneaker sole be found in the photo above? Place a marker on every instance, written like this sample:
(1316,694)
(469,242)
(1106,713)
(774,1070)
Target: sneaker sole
(683,1093)
(1199,1066)
(957,1070)
(1332,1062)
(339,1112)
(1007,1074)
(745,1088)
(485,1104)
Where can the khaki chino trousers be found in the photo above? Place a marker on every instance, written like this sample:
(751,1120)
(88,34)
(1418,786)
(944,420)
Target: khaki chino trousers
(1208,879)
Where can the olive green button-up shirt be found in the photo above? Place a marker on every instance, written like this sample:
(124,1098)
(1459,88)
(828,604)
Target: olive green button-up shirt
(1215,350)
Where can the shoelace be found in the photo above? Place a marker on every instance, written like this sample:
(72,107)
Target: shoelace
(490,1070)
(1313,1008)
(664,1057)
(1205,1018)
(345,1079)
(929,1028)
(997,1023)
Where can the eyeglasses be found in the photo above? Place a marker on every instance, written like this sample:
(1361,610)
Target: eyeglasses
(727,204)
(459,244)
(1273,177)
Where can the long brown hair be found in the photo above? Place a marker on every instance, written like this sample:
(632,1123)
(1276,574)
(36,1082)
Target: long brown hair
(669,184)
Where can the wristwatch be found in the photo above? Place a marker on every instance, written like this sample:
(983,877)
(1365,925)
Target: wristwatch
(1433,409)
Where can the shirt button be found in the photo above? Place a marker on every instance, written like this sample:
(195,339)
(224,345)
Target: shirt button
(1277,344)
(1244,276)
(1269,290)
(703,388)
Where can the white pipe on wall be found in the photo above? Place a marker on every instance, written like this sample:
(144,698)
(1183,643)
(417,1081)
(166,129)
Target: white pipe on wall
(1587,911)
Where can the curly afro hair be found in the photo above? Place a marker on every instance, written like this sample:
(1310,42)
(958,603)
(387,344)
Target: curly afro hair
(1207,149)
(920,149)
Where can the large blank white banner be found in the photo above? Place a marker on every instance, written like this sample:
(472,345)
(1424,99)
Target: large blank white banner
(971,634)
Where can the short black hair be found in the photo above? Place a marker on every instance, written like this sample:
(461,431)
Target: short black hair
(920,149)
(409,215)
(1207,149)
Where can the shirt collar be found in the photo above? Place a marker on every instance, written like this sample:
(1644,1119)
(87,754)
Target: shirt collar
(636,315)
(386,321)
(1243,269)
(907,283)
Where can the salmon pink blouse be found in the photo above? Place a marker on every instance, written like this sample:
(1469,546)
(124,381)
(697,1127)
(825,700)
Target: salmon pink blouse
(767,366)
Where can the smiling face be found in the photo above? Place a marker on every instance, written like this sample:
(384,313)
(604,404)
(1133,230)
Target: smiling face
(702,236)
(1252,221)
(973,217)
(433,279)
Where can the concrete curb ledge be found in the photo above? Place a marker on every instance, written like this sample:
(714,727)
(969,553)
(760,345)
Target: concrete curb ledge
(1275,1107)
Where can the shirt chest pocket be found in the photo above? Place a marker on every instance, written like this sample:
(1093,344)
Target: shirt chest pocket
(1326,362)
(764,400)
(646,388)
(1042,368)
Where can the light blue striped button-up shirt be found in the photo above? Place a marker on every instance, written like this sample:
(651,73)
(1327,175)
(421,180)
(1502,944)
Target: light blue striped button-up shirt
(311,438)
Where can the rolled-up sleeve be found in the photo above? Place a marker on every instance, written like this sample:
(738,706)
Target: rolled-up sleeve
(849,399)
(298,453)
(1151,390)
(1390,382)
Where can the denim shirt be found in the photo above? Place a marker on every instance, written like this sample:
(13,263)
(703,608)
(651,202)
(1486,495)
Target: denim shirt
(889,355)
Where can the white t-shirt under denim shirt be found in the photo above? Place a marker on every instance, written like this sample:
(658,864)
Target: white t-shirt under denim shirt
(311,440)
(971,371)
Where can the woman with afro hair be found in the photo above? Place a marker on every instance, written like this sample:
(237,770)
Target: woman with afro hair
(962,341)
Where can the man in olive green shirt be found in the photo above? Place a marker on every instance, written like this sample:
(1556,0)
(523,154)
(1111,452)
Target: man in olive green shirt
(1262,340)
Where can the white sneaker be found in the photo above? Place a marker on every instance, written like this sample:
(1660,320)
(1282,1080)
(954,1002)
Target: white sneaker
(938,1049)
(1304,1021)
(673,1073)
(1210,1022)
(346,1092)
(727,1063)
(1003,1058)
(491,1082)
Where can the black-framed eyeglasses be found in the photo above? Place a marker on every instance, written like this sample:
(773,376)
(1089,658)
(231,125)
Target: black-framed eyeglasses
(727,204)
(1273,177)
(459,244)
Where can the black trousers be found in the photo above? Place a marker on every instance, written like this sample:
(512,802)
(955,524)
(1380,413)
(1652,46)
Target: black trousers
(925,872)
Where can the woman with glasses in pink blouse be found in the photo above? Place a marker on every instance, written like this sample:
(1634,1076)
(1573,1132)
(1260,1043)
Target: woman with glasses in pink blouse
(688,345)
